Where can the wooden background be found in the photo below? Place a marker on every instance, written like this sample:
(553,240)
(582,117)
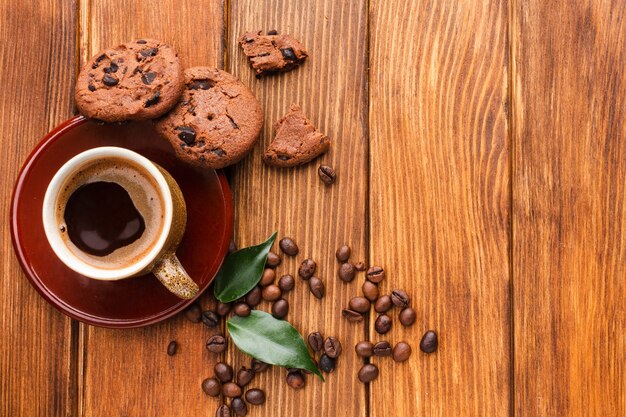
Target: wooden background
(481,153)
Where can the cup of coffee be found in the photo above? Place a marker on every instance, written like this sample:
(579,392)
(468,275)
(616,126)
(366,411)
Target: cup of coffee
(110,213)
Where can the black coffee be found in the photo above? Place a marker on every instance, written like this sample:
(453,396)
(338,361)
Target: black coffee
(100,217)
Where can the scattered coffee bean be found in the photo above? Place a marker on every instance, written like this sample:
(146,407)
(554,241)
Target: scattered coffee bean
(280,308)
(272,32)
(253,298)
(286,283)
(223,411)
(407,316)
(382,349)
(223,372)
(327,364)
(172,347)
(288,246)
(271,293)
(244,376)
(316,341)
(327,174)
(370,290)
(216,343)
(376,274)
(343,253)
(241,309)
(223,309)
(360,304)
(351,315)
(346,272)
(364,349)
(231,390)
(368,373)
(255,396)
(317,287)
(383,304)
(109,80)
(332,347)
(296,380)
(258,366)
(268,277)
(210,318)
(239,407)
(307,269)
(273,260)
(232,247)
(193,313)
(360,266)
(383,324)
(429,342)
(211,387)
(400,298)
(401,352)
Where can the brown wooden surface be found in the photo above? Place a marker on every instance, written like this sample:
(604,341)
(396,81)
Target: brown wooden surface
(480,150)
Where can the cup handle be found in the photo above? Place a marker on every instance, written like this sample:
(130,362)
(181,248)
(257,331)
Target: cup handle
(171,273)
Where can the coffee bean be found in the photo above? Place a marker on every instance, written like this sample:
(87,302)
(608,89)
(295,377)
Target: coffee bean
(383,304)
(368,373)
(359,304)
(187,134)
(272,293)
(273,260)
(222,309)
(317,287)
(280,308)
(193,313)
(232,247)
(244,376)
(407,316)
(429,342)
(253,298)
(400,298)
(268,277)
(383,324)
(223,372)
(307,269)
(296,380)
(210,318)
(343,253)
(327,174)
(172,347)
(346,272)
(216,344)
(370,290)
(327,364)
(239,407)
(316,341)
(288,246)
(156,97)
(255,396)
(376,274)
(231,390)
(241,309)
(360,266)
(401,352)
(258,366)
(364,349)
(351,315)
(211,387)
(286,283)
(382,349)
(272,32)
(223,411)
(332,347)
(109,80)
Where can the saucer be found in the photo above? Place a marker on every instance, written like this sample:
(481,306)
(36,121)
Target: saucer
(131,302)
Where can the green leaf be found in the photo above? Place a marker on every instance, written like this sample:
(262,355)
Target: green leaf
(272,341)
(241,271)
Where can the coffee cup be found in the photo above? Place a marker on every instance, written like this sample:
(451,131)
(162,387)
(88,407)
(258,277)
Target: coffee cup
(111,214)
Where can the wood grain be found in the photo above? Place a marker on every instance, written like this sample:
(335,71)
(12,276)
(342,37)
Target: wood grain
(440,202)
(331,88)
(569,223)
(127,372)
(36,74)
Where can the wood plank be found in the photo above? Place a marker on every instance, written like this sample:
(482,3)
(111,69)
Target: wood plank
(127,372)
(37,74)
(569,223)
(331,88)
(439,202)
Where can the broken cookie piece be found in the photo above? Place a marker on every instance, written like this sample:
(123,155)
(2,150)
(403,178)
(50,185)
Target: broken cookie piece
(296,142)
(272,53)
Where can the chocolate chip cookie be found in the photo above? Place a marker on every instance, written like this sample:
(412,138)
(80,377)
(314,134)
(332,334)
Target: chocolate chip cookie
(272,53)
(133,81)
(296,142)
(216,122)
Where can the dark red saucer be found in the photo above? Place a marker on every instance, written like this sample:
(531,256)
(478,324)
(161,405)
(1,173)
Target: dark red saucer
(132,302)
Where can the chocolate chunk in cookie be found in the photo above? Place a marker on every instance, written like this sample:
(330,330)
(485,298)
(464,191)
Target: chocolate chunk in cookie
(216,122)
(296,142)
(272,52)
(134,81)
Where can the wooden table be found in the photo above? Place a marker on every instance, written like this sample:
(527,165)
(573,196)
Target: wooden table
(481,152)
